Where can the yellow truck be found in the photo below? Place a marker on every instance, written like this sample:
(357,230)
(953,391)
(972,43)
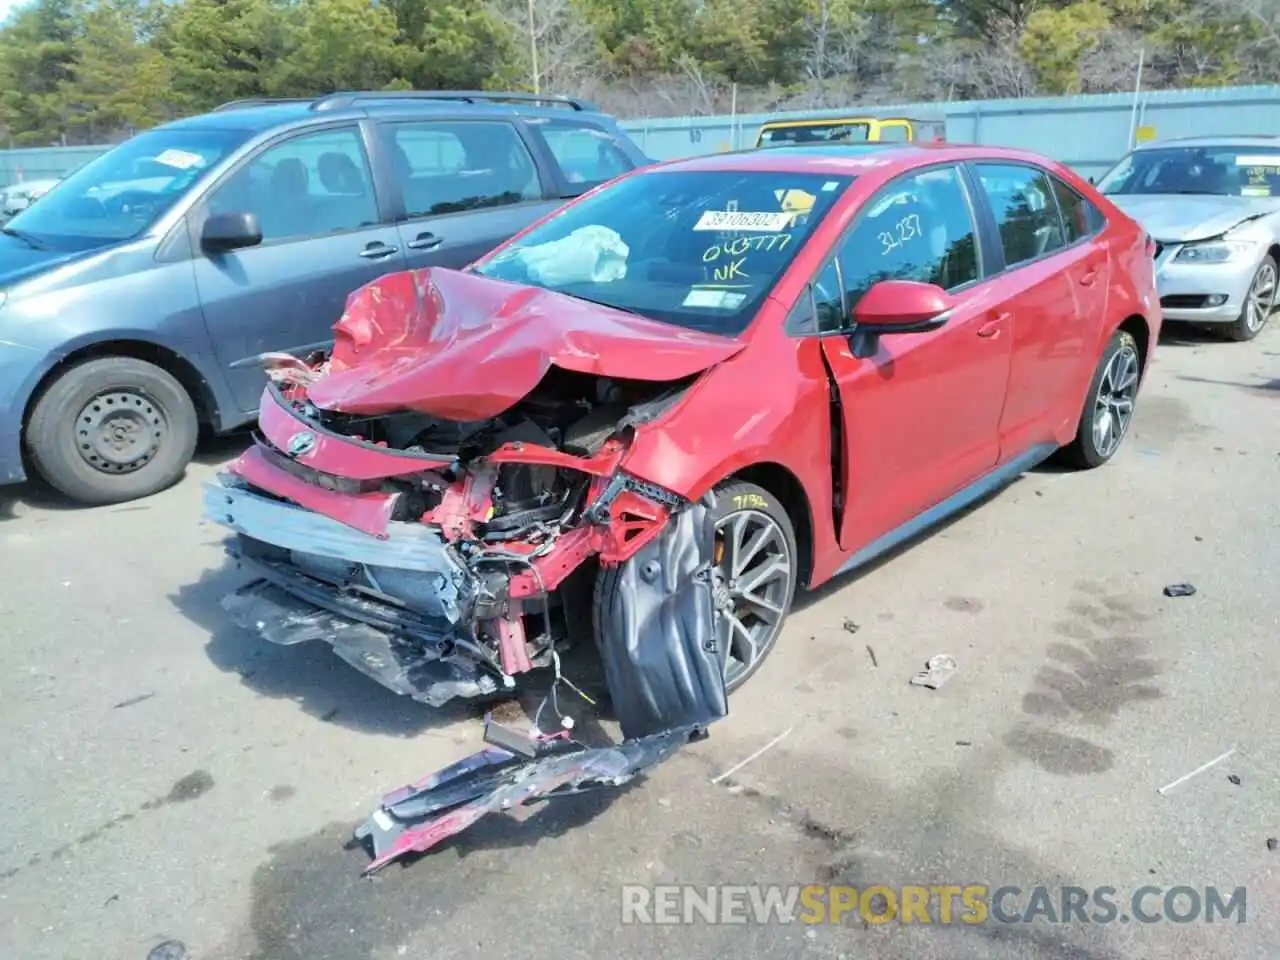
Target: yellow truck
(854,128)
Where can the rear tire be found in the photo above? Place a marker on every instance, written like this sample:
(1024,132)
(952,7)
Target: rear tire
(1108,406)
(112,429)
(1258,303)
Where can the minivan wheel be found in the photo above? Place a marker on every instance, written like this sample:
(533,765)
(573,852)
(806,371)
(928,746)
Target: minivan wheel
(112,429)
(1109,405)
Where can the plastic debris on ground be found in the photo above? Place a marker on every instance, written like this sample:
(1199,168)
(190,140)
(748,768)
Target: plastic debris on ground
(1180,590)
(938,671)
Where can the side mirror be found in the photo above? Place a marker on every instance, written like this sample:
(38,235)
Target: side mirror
(1092,181)
(897,307)
(224,232)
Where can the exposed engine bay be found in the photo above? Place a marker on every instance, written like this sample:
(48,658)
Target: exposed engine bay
(449,557)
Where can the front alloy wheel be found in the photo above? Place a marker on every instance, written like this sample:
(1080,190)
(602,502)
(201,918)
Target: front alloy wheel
(755,576)
(1258,303)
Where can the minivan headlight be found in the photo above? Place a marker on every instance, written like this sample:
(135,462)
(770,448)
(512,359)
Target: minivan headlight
(1214,251)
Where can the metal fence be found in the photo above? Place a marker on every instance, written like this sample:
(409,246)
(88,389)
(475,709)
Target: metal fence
(1089,133)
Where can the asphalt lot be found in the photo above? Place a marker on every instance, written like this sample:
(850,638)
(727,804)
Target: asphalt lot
(168,777)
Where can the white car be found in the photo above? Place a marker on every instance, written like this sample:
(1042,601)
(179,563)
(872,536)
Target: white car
(1212,205)
(18,196)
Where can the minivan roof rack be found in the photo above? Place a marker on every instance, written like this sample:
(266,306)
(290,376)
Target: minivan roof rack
(349,98)
(341,100)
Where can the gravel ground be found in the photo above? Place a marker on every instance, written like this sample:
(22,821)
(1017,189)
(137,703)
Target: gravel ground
(168,777)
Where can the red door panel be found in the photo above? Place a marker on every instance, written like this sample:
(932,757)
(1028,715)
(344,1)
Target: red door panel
(920,417)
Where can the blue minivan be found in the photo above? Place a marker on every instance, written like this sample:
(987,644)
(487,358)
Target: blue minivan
(137,296)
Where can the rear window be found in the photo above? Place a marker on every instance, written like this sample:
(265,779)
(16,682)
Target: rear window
(816,133)
(587,155)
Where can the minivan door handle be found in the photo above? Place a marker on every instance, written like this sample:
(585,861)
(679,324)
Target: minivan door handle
(377,250)
(425,241)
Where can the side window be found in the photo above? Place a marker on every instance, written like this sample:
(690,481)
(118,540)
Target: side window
(920,227)
(894,131)
(307,186)
(1024,210)
(1080,218)
(447,166)
(585,154)
(828,304)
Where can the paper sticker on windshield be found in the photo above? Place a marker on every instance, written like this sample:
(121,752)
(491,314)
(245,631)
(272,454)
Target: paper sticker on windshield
(731,220)
(1258,160)
(180,159)
(1255,191)
(709,299)
(795,200)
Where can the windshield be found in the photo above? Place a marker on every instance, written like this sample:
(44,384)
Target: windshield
(842,131)
(700,249)
(119,194)
(1222,171)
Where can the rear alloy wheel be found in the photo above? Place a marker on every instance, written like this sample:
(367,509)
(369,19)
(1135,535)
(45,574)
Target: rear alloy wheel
(112,429)
(1258,303)
(1108,409)
(755,576)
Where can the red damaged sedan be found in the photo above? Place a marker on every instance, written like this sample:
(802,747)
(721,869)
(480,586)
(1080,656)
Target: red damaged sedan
(647,420)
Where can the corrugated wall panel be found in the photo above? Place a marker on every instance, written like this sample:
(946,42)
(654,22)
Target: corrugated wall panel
(1088,132)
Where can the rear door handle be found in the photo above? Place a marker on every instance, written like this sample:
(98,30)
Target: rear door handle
(425,241)
(1088,279)
(992,327)
(377,250)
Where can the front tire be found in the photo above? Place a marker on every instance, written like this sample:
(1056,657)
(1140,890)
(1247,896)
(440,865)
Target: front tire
(112,429)
(1109,404)
(756,567)
(1258,303)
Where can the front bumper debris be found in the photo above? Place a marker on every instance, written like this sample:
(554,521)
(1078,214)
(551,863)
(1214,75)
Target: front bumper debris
(416,818)
(665,676)
(318,579)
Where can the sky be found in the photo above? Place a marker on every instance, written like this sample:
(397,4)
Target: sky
(6,6)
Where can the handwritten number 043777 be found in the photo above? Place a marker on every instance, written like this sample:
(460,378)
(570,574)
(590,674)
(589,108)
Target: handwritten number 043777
(908,228)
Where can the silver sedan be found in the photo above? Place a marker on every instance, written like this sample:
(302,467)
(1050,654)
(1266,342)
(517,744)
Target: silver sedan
(1212,204)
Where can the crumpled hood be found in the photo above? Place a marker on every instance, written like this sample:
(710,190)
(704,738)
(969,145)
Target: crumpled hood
(1181,218)
(464,347)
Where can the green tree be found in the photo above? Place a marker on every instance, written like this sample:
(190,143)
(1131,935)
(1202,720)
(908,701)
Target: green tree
(1056,40)
(37,59)
(220,50)
(120,82)
(339,45)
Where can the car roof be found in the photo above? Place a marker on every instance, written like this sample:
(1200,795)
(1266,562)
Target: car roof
(847,158)
(257,116)
(1221,140)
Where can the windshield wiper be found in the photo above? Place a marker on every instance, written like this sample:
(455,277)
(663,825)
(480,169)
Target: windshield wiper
(601,303)
(26,238)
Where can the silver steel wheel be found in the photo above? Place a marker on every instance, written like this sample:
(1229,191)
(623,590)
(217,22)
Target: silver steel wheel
(1261,298)
(1113,405)
(753,579)
(120,432)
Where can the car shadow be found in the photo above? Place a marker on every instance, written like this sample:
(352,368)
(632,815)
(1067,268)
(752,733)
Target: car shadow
(1272,386)
(35,494)
(1176,334)
(309,674)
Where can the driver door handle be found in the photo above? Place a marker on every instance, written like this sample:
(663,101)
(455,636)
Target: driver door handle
(425,241)
(1089,278)
(992,327)
(377,250)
